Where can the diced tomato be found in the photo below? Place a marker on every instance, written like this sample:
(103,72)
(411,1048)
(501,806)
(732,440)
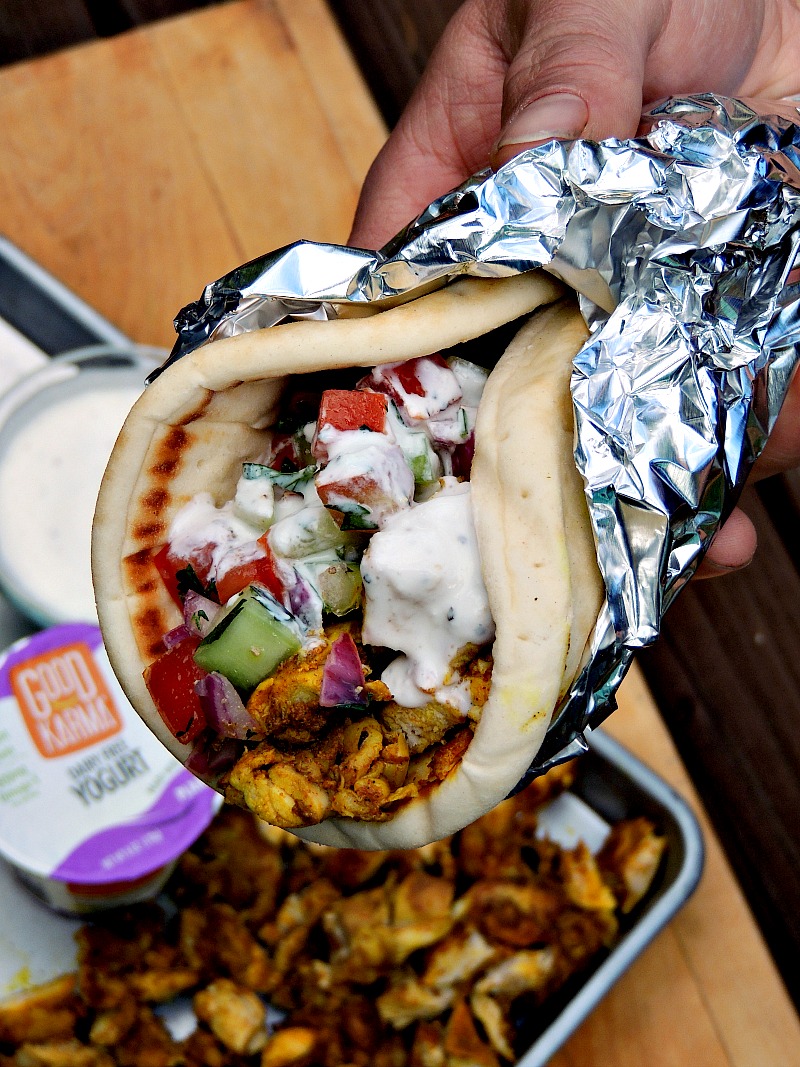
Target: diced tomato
(170,680)
(168,565)
(168,573)
(348,409)
(283,453)
(352,409)
(260,570)
(378,480)
(407,373)
(421,387)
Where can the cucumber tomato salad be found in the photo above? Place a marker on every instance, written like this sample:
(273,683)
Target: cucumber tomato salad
(334,654)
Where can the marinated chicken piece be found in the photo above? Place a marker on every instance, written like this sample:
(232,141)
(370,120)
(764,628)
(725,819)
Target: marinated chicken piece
(216,942)
(295,920)
(265,782)
(490,847)
(286,704)
(490,1014)
(358,928)
(421,727)
(48,1012)
(428,1047)
(111,1027)
(238,860)
(583,882)
(462,1045)
(429,724)
(432,766)
(292,1046)
(62,1054)
(517,914)
(457,959)
(408,1001)
(581,934)
(235,1014)
(421,896)
(421,913)
(630,858)
(301,909)
(524,972)
(158,986)
(352,769)
(372,759)
(479,676)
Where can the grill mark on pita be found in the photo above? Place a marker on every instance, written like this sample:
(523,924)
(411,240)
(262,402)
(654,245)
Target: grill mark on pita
(156,500)
(198,412)
(138,567)
(149,531)
(138,559)
(140,577)
(149,628)
(170,452)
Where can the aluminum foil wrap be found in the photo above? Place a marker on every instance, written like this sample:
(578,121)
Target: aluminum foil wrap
(680,244)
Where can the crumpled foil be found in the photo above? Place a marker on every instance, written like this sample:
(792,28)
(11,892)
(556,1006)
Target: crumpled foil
(680,244)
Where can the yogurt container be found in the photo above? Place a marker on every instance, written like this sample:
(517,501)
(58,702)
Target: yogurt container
(57,428)
(94,811)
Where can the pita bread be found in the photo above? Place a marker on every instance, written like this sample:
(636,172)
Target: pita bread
(208,412)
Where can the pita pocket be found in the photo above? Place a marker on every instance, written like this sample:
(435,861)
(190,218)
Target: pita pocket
(376,773)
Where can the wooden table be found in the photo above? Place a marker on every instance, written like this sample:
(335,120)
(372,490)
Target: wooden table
(137,169)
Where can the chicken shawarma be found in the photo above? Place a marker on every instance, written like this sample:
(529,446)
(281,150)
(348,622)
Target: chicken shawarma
(345,574)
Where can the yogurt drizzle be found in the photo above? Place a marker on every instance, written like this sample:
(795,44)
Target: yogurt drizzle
(423,587)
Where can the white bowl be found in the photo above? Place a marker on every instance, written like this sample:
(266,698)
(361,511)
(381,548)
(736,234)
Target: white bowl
(57,428)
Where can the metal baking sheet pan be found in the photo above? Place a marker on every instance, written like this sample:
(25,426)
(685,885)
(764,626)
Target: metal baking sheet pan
(615,785)
(36,944)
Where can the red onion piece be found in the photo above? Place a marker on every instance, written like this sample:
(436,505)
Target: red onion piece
(343,675)
(223,708)
(199,612)
(176,636)
(463,456)
(212,756)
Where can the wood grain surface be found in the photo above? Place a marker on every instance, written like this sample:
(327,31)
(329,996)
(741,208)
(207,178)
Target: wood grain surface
(140,167)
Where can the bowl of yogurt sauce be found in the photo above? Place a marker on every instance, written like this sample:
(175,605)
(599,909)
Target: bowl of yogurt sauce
(58,426)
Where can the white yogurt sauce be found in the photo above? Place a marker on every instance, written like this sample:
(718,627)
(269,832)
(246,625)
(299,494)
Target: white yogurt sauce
(361,458)
(424,591)
(200,524)
(53,453)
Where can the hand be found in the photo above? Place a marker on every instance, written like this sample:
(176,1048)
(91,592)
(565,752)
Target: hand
(510,73)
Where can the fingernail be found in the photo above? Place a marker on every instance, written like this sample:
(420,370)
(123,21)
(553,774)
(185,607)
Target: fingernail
(557,115)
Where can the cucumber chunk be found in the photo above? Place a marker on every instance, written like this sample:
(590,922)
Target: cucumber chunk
(308,531)
(251,639)
(339,585)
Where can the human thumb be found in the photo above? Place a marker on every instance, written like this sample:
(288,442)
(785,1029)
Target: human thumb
(578,70)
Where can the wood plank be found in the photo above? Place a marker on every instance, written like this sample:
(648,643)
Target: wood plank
(741,993)
(351,111)
(100,184)
(392,41)
(727,675)
(33,27)
(258,130)
(636,1024)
